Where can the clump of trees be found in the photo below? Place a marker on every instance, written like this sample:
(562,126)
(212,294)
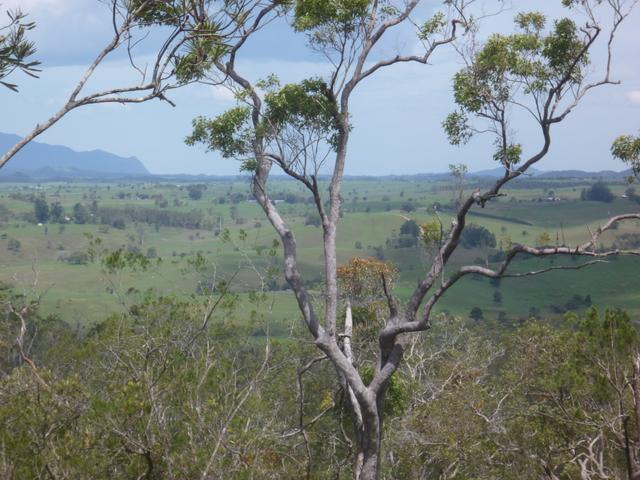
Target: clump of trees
(81,214)
(598,192)
(408,207)
(196,191)
(631,194)
(409,235)
(193,219)
(57,213)
(41,210)
(477,236)
(576,302)
(412,235)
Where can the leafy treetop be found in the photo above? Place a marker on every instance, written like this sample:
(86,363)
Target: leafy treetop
(532,61)
(291,109)
(362,278)
(311,14)
(627,149)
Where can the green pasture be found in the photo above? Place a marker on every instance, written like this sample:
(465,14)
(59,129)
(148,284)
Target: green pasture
(373,212)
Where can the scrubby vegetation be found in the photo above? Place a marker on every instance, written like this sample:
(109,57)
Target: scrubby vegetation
(157,392)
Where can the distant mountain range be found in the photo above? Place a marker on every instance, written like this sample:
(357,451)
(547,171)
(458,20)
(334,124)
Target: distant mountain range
(41,162)
(574,174)
(604,174)
(38,162)
(499,172)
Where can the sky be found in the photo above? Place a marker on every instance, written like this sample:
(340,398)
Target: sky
(396,114)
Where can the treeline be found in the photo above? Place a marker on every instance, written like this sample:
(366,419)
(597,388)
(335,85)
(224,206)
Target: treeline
(117,217)
(157,393)
(500,217)
(194,219)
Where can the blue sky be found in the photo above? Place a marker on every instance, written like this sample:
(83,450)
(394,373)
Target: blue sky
(396,115)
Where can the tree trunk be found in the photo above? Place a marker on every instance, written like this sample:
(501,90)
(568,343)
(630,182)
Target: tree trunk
(366,417)
(368,446)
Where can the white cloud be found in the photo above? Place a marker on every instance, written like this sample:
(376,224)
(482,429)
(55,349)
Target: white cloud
(634,96)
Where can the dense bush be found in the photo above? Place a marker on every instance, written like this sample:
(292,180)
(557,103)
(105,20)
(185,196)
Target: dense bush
(410,227)
(313,220)
(477,236)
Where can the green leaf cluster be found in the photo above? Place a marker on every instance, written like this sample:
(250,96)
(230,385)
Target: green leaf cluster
(310,14)
(15,49)
(509,154)
(531,61)
(398,395)
(433,25)
(457,128)
(206,48)
(304,105)
(431,233)
(627,149)
(154,12)
(229,133)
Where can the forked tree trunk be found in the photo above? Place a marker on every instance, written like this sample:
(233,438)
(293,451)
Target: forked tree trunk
(368,446)
(367,422)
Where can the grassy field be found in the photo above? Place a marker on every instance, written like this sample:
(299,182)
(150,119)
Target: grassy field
(373,213)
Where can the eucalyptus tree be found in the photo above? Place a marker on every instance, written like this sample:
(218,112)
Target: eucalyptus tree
(302,127)
(183,36)
(627,149)
(15,49)
(542,68)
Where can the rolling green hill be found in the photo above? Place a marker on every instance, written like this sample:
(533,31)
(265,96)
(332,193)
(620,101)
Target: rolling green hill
(134,216)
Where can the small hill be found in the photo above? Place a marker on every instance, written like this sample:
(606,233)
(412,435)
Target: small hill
(40,161)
